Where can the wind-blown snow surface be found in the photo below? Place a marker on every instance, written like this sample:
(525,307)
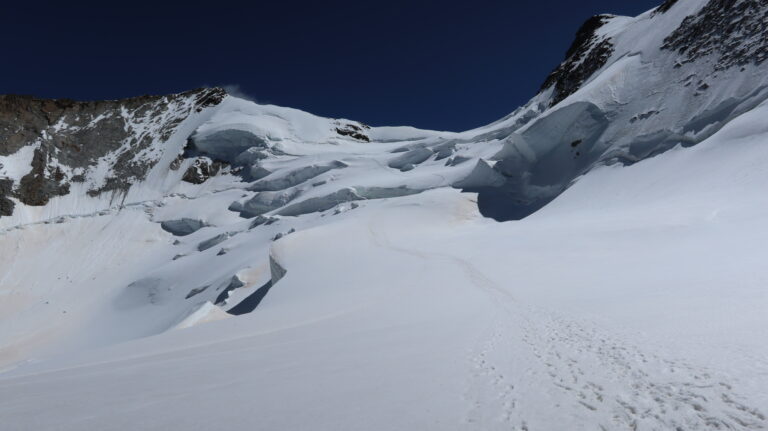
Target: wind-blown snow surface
(335,277)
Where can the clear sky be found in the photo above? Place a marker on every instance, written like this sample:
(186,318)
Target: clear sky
(440,65)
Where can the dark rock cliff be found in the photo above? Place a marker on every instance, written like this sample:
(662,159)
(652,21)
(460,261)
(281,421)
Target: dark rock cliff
(588,53)
(733,30)
(71,136)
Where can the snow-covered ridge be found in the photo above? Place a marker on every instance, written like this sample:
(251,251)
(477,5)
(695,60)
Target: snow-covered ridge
(628,89)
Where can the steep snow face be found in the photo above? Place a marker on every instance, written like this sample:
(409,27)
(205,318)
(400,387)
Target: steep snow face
(325,256)
(674,75)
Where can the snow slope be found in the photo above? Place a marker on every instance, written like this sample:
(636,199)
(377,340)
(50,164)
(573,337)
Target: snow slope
(277,270)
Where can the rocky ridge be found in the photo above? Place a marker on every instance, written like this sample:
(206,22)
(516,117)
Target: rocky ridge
(70,139)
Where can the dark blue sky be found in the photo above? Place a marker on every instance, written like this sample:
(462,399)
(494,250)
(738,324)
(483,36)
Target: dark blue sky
(427,64)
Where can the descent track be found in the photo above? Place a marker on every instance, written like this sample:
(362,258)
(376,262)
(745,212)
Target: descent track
(535,367)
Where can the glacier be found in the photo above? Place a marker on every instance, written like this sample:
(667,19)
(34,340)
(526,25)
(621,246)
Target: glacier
(594,260)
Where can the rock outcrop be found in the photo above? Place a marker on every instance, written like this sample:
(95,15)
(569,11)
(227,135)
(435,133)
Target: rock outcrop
(733,30)
(588,53)
(71,139)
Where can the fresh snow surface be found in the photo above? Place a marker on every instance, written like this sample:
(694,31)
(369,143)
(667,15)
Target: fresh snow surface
(635,299)
(322,282)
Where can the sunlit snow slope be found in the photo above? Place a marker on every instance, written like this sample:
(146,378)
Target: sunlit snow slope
(594,260)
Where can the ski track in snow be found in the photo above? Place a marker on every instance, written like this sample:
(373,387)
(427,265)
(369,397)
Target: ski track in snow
(638,390)
(614,384)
